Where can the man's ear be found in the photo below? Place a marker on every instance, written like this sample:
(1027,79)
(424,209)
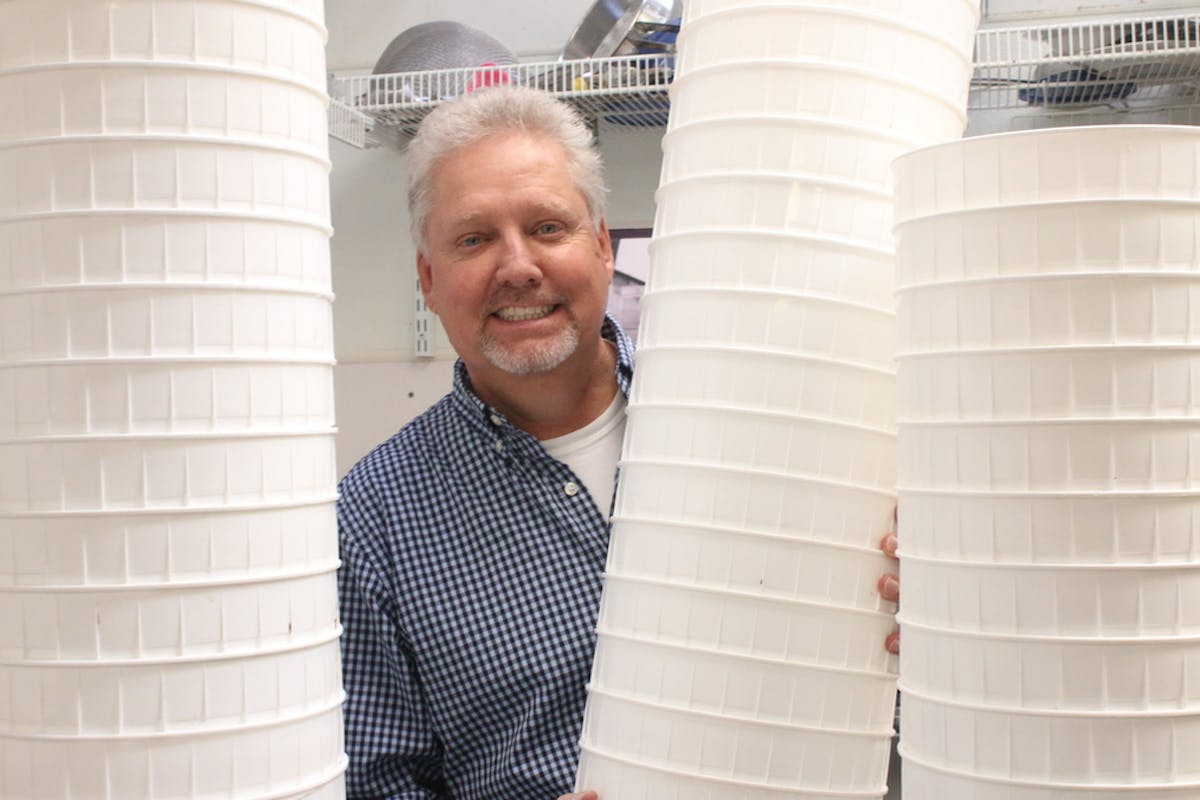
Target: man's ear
(604,238)
(425,276)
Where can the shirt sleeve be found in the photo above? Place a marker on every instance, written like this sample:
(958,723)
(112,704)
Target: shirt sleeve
(393,751)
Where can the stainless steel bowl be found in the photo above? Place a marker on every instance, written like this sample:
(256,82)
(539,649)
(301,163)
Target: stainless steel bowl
(609,23)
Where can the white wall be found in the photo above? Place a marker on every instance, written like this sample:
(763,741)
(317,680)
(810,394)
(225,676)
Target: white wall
(380,383)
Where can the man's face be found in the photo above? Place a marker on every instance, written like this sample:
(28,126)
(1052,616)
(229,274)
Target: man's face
(514,268)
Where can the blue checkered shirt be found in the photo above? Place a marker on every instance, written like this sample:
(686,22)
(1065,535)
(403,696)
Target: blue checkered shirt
(469,588)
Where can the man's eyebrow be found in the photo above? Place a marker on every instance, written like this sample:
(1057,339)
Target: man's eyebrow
(466,220)
(554,209)
(470,219)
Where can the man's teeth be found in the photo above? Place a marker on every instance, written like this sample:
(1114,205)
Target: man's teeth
(524,312)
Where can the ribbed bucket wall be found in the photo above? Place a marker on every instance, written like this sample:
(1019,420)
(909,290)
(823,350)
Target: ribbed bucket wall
(1049,421)
(741,637)
(168,609)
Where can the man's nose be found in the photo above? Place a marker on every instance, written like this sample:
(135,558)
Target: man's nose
(518,264)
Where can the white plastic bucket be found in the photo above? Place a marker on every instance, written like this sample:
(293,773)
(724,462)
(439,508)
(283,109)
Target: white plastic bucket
(836,34)
(1052,673)
(171,620)
(799,147)
(1103,600)
(1049,383)
(743,687)
(743,561)
(279,38)
(1066,527)
(937,783)
(168,604)
(759,754)
(164,321)
(1052,456)
(954,22)
(770,441)
(789,262)
(265,762)
(171,397)
(158,547)
(754,501)
(131,174)
(769,382)
(1103,747)
(769,322)
(169,695)
(741,623)
(1072,311)
(142,101)
(798,90)
(332,789)
(1138,237)
(855,212)
(199,248)
(619,776)
(1133,162)
(166,473)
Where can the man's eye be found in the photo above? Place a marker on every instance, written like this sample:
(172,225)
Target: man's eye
(547,228)
(473,240)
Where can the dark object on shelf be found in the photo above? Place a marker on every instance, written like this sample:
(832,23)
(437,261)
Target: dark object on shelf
(1079,86)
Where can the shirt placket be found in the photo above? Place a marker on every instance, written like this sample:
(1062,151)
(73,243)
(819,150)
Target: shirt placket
(551,484)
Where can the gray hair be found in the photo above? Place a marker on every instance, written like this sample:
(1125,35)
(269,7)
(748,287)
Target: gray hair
(493,110)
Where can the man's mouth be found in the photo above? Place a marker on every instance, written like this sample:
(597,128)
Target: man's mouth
(521,313)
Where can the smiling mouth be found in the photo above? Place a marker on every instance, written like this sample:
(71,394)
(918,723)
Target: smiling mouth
(522,313)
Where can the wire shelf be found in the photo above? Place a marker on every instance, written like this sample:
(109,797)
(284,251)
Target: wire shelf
(1132,64)
(1066,72)
(623,90)
(350,125)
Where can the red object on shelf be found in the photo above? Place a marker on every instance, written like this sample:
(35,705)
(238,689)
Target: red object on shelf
(488,77)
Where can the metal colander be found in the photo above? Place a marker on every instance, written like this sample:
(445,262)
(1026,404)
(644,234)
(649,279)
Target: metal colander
(431,46)
(441,45)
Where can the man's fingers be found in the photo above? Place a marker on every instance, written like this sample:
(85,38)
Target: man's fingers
(889,588)
(888,545)
(892,643)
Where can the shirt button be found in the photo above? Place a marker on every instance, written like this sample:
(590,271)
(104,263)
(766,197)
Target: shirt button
(496,420)
(570,488)
(499,446)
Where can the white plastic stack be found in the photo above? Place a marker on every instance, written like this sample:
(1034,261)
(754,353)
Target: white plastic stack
(1049,408)
(741,637)
(168,614)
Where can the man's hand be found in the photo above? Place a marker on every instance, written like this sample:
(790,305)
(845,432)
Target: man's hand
(889,585)
(587,795)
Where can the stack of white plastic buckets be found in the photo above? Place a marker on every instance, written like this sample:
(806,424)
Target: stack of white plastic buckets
(1050,465)
(740,648)
(168,618)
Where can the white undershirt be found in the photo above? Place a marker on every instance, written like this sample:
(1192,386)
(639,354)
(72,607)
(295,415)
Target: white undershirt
(592,452)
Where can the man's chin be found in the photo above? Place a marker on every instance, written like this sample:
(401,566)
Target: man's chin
(531,358)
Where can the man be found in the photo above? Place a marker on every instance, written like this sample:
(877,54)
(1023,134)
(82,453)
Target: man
(474,540)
